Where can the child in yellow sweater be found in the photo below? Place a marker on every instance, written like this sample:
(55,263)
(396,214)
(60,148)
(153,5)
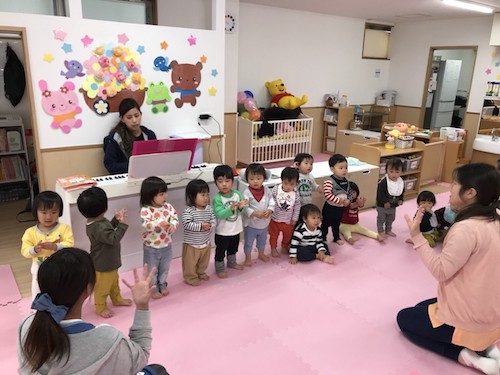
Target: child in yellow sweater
(48,236)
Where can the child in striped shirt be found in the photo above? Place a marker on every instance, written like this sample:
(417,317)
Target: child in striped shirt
(198,221)
(286,210)
(337,193)
(307,242)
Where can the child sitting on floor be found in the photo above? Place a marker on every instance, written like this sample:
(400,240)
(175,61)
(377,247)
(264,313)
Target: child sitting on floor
(350,218)
(429,224)
(307,242)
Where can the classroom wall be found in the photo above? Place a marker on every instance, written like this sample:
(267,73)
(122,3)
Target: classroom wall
(313,53)
(48,52)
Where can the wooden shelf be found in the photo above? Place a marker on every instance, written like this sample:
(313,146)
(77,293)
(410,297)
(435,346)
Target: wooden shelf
(373,152)
(344,117)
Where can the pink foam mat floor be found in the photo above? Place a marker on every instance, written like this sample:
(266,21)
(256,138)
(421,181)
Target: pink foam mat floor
(278,318)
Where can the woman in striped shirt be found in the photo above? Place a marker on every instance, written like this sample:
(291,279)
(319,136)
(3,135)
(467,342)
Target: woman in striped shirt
(307,243)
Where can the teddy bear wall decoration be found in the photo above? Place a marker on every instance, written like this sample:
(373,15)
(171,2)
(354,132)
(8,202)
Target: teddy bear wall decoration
(281,98)
(186,78)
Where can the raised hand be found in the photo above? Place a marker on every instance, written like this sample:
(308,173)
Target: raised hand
(141,290)
(414,224)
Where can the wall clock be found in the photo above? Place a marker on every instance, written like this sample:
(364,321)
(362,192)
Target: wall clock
(230,24)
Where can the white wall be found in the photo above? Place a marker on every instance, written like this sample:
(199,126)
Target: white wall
(410,51)
(41,41)
(313,53)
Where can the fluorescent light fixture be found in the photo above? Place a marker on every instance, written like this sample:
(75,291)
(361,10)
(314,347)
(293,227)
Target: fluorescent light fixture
(468,6)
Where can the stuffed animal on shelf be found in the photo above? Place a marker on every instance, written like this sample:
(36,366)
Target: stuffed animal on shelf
(281,98)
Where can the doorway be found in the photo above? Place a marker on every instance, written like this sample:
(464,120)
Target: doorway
(17,120)
(447,86)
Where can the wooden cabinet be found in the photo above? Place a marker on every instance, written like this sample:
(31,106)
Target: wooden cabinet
(345,138)
(375,153)
(335,119)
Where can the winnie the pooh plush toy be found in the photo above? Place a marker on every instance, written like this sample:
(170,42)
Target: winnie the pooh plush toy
(281,98)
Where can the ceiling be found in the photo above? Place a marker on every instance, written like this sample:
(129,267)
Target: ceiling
(390,11)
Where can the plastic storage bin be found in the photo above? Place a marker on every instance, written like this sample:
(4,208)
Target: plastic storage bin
(411,163)
(410,183)
(383,165)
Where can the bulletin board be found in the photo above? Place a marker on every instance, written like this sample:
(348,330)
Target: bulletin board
(81,70)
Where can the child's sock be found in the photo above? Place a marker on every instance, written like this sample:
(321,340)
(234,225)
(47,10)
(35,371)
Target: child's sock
(488,366)
(493,352)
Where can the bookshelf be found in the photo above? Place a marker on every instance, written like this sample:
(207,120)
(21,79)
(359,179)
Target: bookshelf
(15,177)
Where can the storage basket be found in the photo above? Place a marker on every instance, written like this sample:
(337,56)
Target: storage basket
(411,162)
(405,141)
(383,165)
(410,183)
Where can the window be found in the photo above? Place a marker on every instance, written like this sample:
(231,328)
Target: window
(46,7)
(138,11)
(377,41)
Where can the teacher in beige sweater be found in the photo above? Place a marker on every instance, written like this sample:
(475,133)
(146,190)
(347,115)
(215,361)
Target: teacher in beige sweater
(463,322)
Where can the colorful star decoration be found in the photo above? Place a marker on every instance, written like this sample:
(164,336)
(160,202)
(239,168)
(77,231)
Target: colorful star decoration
(48,57)
(488,71)
(59,34)
(214,72)
(141,50)
(203,59)
(87,40)
(67,48)
(122,38)
(212,91)
(164,45)
(192,41)
(493,53)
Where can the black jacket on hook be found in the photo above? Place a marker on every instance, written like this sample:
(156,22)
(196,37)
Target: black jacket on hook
(14,78)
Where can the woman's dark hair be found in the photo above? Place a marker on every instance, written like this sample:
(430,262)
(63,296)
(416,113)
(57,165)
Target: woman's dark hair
(485,180)
(92,202)
(335,159)
(256,169)
(47,200)
(223,170)
(290,174)
(127,138)
(150,187)
(64,276)
(394,163)
(193,188)
(426,196)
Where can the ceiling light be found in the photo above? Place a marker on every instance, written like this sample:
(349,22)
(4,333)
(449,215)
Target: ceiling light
(468,6)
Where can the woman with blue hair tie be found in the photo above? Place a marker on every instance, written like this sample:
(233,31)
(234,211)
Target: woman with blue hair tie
(56,340)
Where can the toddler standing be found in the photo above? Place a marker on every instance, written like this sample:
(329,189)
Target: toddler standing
(105,237)
(228,205)
(307,240)
(350,218)
(198,221)
(307,184)
(159,221)
(48,236)
(390,191)
(337,191)
(258,213)
(286,210)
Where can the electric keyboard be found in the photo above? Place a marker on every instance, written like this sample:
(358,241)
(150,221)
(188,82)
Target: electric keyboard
(116,179)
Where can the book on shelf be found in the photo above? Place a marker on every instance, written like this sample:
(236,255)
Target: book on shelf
(4,145)
(75,182)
